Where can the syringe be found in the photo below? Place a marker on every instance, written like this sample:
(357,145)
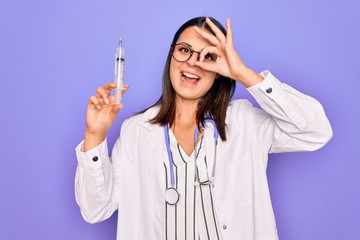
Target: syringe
(119,70)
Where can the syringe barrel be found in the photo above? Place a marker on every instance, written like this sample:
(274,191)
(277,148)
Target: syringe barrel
(119,72)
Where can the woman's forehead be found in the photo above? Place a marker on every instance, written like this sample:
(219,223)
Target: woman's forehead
(194,40)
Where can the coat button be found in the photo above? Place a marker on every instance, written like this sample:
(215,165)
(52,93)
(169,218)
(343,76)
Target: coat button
(95,158)
(269,90)
(224,227)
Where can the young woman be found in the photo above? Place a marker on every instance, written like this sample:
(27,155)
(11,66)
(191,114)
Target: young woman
(193,166)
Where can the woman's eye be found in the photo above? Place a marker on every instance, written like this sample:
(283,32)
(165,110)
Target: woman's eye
(184,50)
(210,57)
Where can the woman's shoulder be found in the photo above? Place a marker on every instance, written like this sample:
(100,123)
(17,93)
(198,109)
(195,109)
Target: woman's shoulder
(240,108)
(239,104)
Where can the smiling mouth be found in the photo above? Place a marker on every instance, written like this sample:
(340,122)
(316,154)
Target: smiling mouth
(188,77)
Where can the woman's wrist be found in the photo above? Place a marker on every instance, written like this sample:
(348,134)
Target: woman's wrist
(92,140)
(248,77)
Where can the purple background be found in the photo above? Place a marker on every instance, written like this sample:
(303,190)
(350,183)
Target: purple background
(54,54)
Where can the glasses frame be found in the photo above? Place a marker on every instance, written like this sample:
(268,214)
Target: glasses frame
(182,44)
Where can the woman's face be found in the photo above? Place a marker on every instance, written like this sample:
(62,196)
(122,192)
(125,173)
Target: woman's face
(189,81)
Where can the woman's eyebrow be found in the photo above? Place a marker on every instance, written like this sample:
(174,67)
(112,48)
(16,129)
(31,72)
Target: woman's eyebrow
(185,43)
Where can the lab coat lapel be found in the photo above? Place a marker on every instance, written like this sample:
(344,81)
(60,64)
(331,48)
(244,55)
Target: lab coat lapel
(152,179)
(210,148)
(154,148)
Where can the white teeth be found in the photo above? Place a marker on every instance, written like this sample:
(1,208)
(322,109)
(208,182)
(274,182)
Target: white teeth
(189,75)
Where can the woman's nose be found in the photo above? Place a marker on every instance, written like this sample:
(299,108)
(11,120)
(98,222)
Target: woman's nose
(193,59)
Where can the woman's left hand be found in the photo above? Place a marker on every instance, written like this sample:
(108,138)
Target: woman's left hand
(228,62)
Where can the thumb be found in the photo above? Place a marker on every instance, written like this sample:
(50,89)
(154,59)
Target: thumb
(117,108)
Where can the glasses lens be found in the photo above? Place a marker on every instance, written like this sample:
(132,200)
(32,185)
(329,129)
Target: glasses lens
(181,52)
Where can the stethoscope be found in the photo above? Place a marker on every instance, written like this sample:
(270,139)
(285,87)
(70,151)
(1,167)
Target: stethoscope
(172,195)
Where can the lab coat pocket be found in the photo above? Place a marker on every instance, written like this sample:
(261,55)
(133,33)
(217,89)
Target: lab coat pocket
(242,182)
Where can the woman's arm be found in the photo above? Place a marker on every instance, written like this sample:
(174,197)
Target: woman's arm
(298,121)
(94,183)
(292,121)
(96,172)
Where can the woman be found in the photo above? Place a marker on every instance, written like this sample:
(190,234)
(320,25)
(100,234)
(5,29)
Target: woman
(170,176)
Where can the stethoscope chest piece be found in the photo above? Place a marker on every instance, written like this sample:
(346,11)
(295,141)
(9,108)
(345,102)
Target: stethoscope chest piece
(172,196)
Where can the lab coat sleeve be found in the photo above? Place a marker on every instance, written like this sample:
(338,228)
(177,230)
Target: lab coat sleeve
(97,181)
(94,181)
(291,121)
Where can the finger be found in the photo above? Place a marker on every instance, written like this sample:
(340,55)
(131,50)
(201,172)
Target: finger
(109,86)
(125,88)
(229,33)
(207,35)
(113,97)
(209,50)
(95,102)
(212,67)
(104,93)
(219,34)
(117,108)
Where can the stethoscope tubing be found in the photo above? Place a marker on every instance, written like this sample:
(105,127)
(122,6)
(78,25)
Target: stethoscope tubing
(196,135)
(171,162)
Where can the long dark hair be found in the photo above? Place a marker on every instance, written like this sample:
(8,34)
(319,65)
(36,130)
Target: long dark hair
(212,105)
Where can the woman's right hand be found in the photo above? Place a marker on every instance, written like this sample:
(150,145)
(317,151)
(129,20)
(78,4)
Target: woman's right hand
(100,115)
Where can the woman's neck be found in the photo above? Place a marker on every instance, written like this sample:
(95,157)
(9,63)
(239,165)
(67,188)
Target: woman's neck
(186,111)
(184,124)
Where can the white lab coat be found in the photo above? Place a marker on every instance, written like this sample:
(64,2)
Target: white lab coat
(132,182)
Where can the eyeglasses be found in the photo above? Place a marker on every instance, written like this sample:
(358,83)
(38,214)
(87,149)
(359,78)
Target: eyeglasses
(183,53)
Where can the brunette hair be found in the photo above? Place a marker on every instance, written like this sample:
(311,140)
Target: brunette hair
(213,104)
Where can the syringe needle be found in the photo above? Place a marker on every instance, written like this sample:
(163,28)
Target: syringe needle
(120,40)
